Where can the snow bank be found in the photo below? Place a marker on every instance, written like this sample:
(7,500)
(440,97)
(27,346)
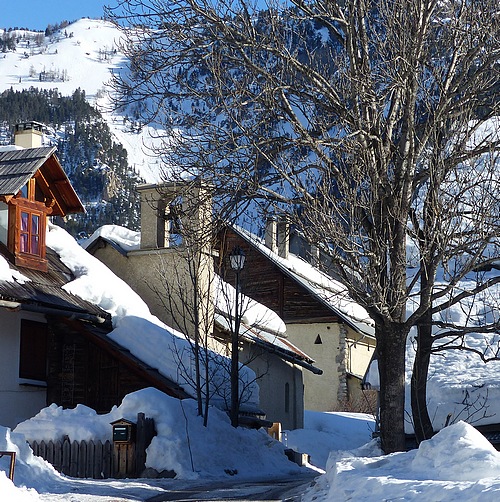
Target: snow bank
(182,443)
(10,492)
(457,464)
(325,432)
(472,453)
(31,474)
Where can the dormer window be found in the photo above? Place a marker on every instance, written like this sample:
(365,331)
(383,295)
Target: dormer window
(27,223)
(30,234)
(33,186)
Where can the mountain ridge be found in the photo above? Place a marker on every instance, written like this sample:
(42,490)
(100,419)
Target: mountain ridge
(44,71)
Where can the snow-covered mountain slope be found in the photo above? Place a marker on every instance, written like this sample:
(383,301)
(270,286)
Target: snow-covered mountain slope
(82,55)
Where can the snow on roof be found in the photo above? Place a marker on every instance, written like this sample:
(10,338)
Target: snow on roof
(259,324)
(135,328)
(330,291)
(253,313)
(10,275)
(125,239)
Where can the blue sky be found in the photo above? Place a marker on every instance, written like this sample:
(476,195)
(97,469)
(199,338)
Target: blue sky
(37,14)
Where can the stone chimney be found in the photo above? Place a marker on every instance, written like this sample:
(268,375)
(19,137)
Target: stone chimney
(28,134)
(283,239)
(277,236)
(270,237)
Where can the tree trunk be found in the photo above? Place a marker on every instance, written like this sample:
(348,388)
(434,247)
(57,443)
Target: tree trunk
(421,420)
(391,347)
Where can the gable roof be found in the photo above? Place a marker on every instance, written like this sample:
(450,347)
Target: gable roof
(271,342)
(329,292)
(98,335)
(18,166)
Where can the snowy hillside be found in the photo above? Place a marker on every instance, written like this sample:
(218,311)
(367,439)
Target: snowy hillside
(82,55)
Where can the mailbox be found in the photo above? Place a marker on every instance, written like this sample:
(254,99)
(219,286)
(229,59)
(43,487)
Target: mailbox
(123,431)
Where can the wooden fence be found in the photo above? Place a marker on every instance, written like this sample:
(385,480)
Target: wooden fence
(78,459)
(98,460)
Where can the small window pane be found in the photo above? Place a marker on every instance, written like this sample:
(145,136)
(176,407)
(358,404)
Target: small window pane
(35,246)
(35,221)
(24,243)
(24,221)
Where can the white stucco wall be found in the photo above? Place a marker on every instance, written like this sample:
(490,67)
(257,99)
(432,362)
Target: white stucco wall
(321,391)
(340,352)
(359,352)
(273,386)
(17,402)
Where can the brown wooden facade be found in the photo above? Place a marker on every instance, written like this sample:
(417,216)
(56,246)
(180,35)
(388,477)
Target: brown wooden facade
(85,367)
(265,282)
(34,186)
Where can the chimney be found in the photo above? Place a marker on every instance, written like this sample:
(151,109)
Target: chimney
(28,134)
(283,239)
(271,238)
(277,236)
(314,257)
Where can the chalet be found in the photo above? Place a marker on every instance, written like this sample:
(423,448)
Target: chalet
(160,270)
(53,345)
(319,316)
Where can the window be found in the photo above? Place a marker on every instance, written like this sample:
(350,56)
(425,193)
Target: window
(26,229)
(33,351)
(29,236)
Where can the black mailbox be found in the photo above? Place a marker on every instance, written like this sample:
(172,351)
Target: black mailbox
(123,431)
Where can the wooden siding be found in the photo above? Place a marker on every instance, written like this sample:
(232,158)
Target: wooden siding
(266,283)
(86,367)
(79,372)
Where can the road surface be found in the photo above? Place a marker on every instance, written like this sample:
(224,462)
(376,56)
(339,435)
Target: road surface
(288,490)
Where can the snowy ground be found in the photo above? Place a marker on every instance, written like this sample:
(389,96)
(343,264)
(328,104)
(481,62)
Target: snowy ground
(457,464)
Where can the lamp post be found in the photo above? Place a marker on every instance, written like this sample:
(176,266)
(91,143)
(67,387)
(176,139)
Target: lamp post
(237,261)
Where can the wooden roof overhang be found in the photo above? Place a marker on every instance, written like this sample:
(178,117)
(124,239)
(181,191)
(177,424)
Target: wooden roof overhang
(17,167)
(42,291)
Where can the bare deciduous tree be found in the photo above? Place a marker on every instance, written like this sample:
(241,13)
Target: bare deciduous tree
(349,118)
(192,293)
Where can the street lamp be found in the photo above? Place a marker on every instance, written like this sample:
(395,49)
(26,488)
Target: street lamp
(237,261)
